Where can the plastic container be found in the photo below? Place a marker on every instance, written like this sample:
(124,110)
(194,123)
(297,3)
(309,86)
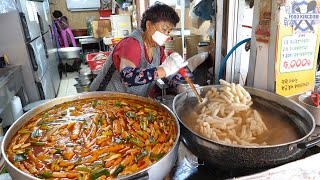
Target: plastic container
(115,41)
(96,64)
(12,112)
(7,117)
(105,13)
(16,108)
(79,32)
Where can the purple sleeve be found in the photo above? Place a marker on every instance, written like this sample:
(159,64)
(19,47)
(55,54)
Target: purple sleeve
(138,76)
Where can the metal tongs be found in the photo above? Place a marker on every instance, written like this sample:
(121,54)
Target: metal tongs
(315,98)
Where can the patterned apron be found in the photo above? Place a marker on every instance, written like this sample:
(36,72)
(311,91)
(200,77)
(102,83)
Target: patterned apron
(109,78)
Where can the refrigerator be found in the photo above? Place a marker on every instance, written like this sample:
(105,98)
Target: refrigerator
(27,39)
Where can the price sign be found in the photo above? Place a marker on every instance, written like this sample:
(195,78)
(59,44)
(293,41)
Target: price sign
(297,47)
(297,53)
(296,62)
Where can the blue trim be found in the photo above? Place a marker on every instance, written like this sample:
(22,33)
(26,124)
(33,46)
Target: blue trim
(228,55)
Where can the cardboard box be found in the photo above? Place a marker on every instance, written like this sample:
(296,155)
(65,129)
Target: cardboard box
(101,28)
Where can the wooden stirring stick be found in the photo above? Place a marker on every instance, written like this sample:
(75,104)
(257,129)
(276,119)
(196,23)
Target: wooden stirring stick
(183,72)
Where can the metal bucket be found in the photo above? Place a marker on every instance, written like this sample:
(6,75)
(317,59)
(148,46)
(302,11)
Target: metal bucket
(81,88)
(84,79)
(305,101)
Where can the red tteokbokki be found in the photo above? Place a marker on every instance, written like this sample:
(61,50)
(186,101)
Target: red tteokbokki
(95,138)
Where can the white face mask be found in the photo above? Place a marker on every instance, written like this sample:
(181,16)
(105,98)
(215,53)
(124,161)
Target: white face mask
(159,38)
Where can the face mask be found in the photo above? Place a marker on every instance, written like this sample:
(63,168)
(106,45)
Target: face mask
(159,38)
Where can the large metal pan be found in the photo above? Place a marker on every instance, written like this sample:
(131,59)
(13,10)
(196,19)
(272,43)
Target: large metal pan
(236,156)
(156,171)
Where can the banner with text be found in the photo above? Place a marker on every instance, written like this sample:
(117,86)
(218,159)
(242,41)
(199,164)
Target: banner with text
(297,47)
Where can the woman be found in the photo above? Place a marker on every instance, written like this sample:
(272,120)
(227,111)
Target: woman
(66,38)
(134,64)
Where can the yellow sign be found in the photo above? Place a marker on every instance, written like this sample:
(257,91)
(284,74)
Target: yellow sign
(297,48)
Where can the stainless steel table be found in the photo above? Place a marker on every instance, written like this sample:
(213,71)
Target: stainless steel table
(90,40)
(82,37)
(11,84)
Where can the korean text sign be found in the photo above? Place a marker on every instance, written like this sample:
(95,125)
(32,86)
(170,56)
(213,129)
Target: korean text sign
(297,47)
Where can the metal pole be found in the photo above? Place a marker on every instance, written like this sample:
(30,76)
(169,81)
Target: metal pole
(232,29)
(272,48)
(253,47)
(261,72)
(182,4)
(218,41)
(239,37)
(235,20)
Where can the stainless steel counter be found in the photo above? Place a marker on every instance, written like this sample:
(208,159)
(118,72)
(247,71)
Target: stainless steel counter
(85,40)
(11,84)
(8,73)
(89,40)
(188,167)
(83,37)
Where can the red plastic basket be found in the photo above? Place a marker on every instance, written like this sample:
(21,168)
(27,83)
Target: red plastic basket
(105,13)
(96,65)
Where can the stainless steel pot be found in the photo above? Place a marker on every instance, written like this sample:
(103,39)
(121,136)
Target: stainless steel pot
(236,156)
(81,89)
(83,82)
(69,52)
(85,76)
(84,79)
(156,171)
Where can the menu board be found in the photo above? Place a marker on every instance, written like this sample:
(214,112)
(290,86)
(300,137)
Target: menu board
(297,47)
(297,53)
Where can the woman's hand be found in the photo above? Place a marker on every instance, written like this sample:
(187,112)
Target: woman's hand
(172,64)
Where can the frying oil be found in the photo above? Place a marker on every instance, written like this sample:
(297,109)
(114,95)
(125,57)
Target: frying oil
(281,127)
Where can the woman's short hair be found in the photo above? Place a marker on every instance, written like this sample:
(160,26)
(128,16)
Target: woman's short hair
(159,12)
(57,14)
